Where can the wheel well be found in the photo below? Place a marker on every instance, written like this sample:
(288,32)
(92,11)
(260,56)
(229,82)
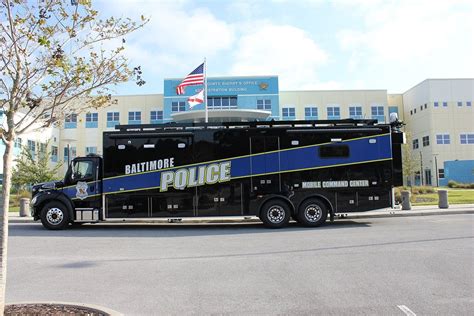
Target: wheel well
(277,198)
(321,198)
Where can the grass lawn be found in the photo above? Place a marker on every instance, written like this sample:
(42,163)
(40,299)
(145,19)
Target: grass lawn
(14,209)
(455,196)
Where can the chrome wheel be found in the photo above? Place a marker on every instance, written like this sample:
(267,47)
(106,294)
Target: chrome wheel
(313,213)
(276,214)
(54,216)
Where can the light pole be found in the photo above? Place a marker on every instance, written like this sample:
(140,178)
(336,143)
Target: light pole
(421,168)
(436,169)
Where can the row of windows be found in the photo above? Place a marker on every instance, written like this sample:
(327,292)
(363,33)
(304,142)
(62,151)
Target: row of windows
(215,103)
(445,139)
(54,150)
(113,118)
(438,104)
(459,103)
(334,112)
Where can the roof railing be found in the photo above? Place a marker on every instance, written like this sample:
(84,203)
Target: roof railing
(254,124)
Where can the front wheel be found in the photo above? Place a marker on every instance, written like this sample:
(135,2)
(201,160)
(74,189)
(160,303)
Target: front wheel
(275,214)
(312,212)
(55,216)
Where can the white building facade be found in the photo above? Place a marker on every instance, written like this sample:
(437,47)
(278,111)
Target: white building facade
(438,113)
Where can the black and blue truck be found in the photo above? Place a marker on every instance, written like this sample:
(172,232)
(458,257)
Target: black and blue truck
(274,170)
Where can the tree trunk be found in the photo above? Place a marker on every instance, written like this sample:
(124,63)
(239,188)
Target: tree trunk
(4,208)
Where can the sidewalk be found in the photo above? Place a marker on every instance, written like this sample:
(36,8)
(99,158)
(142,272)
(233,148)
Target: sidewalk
(416,211)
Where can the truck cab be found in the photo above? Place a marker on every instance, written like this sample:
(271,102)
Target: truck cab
(77,198)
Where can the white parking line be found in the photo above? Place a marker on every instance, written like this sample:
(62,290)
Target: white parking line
(406,310)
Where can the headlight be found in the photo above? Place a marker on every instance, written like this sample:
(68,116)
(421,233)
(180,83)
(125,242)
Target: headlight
(33,200)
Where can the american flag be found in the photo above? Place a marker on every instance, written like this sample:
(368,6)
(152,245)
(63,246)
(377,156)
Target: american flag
(194,78)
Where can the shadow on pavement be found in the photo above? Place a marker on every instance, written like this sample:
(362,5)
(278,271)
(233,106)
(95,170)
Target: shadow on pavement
(169,230)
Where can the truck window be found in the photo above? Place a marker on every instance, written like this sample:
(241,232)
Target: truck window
(82,170)
(334,151)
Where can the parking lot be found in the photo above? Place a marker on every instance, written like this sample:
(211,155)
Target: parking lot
(375,266)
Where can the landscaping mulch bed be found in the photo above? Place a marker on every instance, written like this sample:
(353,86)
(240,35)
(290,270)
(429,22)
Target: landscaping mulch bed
(51,309)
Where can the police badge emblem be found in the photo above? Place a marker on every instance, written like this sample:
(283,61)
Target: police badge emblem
(81,188)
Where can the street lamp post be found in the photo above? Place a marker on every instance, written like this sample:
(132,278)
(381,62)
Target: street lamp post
(436,169)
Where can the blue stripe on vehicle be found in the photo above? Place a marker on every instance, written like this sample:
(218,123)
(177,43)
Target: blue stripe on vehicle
(276,161)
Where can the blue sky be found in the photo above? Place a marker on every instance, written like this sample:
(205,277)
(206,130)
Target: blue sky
(340,44)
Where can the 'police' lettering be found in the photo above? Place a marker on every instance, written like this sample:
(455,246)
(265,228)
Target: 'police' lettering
(195,176)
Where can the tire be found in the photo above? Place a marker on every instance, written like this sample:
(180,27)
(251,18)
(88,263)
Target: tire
(312,213)
(55,216)
(275,214)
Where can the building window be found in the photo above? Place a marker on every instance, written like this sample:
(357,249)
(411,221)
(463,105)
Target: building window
(411,112)
(288,113)
(445,104)
(31,147)
(334,113)
(414,111)
(113,118)
(355,112)
(377,113)
(156,117)
(459,103)
(443,139)
(441,173)
(217,103)
(135,117)
(436,104)
(421,107)
(392,109)
(54,153)
(265,104)
(91,150)
(18,142)
(426,141)
(426,106)
(92,120)
(468,103)
(71,150)
(180,106)
(42,148)
(417,178)
(467,139)
(70,121)
(311,113)
(416,145)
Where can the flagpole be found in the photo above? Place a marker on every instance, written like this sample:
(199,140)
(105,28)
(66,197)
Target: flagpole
(206,116)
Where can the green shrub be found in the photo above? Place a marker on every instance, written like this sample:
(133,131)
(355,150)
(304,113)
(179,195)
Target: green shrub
(456,185)
(452,184)
(15,198)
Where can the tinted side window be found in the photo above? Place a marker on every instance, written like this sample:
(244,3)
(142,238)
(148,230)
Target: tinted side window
(82,170)
(334,151)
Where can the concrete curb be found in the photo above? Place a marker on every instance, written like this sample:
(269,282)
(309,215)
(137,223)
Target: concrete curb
(106,310)
(411,213)
(220,220)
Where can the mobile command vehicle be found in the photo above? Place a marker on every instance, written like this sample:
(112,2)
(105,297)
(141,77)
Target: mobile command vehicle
(305,170)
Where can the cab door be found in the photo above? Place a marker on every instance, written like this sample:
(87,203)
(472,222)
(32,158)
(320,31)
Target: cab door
(84,187)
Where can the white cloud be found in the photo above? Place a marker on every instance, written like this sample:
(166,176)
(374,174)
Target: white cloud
(265,48)
(175,38)
(406,31)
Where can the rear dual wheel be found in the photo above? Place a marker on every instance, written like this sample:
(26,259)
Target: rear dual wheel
(275,214)
(312,212)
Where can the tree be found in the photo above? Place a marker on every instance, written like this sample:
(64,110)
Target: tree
(410,164)
(56,59)
(31,168)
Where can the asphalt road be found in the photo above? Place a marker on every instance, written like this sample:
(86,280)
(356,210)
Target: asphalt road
(369,266)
